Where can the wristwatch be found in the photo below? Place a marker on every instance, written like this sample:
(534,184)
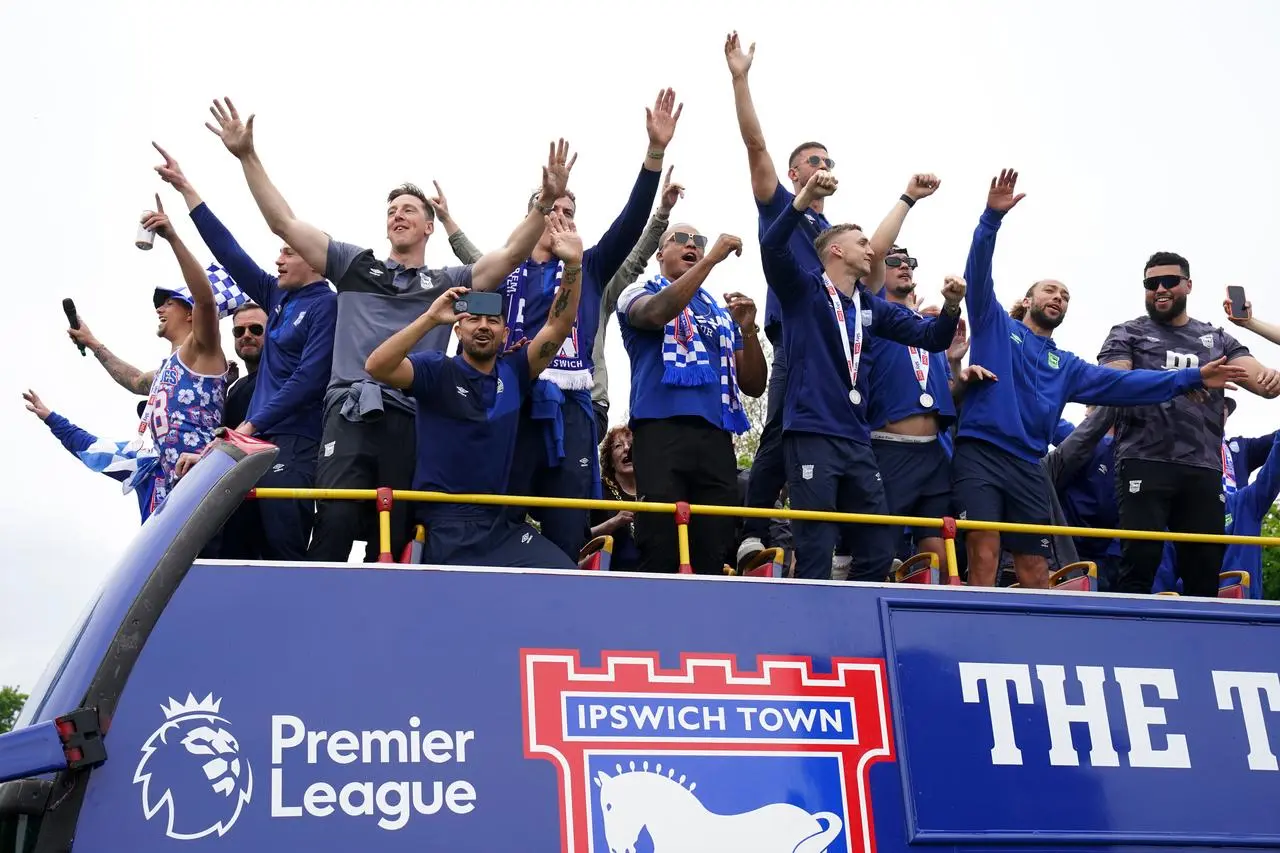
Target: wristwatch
(951,310)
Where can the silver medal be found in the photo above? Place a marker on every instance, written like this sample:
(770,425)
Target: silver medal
(855,397)
(926,400)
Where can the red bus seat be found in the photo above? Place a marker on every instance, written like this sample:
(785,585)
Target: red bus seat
(769,563)
(919,568)
(596,555)
(1234,584)
(1081,576)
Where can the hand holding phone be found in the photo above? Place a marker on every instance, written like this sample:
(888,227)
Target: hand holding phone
(1237,305)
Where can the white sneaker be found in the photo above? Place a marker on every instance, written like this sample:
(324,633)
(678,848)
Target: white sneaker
(748,549)
(840,568)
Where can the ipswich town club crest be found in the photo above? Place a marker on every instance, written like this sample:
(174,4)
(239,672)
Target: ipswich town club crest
(707,757)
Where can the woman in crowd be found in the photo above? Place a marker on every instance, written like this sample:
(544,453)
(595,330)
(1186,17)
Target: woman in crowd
(618,483)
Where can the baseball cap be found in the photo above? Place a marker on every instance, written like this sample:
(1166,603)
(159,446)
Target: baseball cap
(161,296)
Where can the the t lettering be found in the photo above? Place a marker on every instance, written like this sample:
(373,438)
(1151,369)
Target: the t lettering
(1251,686)
(997,676)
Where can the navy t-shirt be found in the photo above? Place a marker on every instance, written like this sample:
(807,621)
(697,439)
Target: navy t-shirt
(800,244)
(466,424)
(894,390)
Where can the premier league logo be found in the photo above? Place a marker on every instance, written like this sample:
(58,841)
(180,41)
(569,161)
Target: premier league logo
(192,772)
(705,757)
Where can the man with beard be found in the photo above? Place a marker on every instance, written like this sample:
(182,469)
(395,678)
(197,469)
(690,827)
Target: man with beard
(1007,422)
(909,408)
(368,432)
(469,415)
(1169,458)
(691,360)
(248,325)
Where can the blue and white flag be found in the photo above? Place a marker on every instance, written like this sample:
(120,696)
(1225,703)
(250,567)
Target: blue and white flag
(226,293)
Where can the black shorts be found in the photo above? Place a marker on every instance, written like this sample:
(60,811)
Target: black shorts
(991,484)
(917,480)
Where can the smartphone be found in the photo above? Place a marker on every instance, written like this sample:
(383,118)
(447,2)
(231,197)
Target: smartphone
(476,302)
(1236,295)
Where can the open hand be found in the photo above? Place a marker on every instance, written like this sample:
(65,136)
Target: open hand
(739,62)
(959,341)
(953,289)
(158,221)
(1001,195)
(170,172)
(566,243)
(35,405)
(237,136)
(1219,374)
(671,193)
(661,121)
(741,308)
(977,373)
(555,175)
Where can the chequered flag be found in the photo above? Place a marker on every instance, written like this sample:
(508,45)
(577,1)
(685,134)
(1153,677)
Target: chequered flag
(226,293)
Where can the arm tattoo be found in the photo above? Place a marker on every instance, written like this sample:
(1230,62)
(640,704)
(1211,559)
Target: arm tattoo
(548,349)
(562,293)
(129,377)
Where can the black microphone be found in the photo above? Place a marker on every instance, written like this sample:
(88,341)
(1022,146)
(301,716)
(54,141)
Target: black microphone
(69,308)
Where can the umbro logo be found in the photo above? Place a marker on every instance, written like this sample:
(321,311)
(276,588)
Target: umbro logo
(526,538)
(375,272)
(585,462)
(462,392)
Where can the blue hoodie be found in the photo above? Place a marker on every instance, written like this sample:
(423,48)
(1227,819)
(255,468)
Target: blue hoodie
(1246,509)
(1019,413)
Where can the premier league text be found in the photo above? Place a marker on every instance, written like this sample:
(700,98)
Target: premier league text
(357,765)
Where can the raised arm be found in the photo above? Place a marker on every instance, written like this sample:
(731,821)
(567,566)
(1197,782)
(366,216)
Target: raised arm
(1074,450)
(764,175)
(567,246)
(653,311)
(1269,331)
(389,362)
(784,273)
(126,375)
(1001,199)
(463,249)
(305,239)
(752,369)
(253,279)
(204,338)
(920,186)
(633,267)
(496,265)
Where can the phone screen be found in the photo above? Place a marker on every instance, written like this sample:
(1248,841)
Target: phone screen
(1236,295)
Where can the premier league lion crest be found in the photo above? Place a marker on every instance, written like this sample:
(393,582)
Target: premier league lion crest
(191,770)
(705,757)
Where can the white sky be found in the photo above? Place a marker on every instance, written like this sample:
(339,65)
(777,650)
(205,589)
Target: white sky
(1137,127)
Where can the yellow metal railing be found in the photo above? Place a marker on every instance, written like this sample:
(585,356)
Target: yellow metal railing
(683,511)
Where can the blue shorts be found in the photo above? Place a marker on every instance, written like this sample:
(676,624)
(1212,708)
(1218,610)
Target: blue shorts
(489,538)
(917,480)
(991,484)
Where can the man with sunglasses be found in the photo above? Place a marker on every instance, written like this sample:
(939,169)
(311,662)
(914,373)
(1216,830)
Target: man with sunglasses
(287,347)
(248,325)
(691,360)
(1169,457)
(768,469)
(1008,421)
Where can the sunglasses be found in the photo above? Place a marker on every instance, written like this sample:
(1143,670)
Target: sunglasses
(682,237)
(899,260)
(254,329)
(1168,282)
(815,160)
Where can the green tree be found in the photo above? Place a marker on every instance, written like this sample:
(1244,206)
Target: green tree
(11,702)
(1271,557)
(745,445)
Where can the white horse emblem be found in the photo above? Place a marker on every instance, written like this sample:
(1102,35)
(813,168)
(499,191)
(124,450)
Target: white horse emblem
(679,823)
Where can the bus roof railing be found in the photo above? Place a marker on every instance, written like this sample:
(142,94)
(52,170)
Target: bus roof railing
(948,527)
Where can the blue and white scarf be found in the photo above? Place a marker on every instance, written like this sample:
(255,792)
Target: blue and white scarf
(686,361)
(568,371)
